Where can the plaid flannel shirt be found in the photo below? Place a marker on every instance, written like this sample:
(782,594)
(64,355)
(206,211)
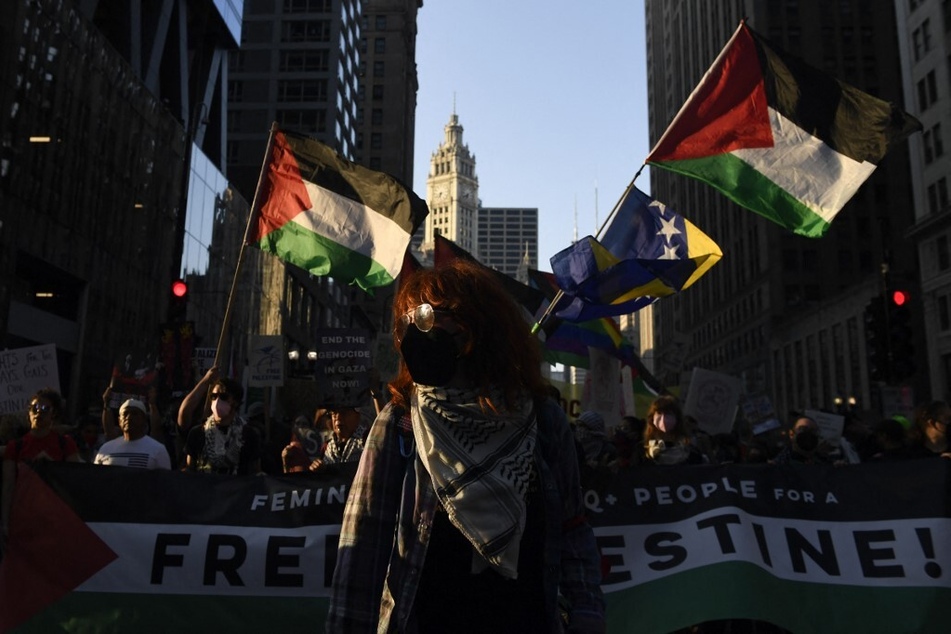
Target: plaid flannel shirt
(377,576)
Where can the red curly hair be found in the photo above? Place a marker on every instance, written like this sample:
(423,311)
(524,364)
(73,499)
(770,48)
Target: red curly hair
(500,350)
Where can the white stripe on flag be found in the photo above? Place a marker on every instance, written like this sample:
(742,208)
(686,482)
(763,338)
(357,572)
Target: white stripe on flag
(812,172)
(356,227)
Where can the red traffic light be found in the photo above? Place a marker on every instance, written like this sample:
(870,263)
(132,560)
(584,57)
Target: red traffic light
(900,298)
(179,288)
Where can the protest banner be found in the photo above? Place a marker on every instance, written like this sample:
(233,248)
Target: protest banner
(265,360)
(866,547)
(712,400)
(342,366)
(23,371)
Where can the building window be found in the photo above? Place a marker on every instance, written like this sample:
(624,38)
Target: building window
(235,90)
(377,92)
(944,259)
(944,314)
(379,45)
(296,61)
(381,22)
(305,31)
(927,91)
(307,6)
(376,117)
(376,141)
(378,69)
(938,195)
(302,90)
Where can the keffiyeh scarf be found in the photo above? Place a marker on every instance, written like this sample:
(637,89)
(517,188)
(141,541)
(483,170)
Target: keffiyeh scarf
(223,445)
(480,464)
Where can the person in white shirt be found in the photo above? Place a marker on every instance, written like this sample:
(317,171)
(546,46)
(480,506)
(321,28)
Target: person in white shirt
(134,448)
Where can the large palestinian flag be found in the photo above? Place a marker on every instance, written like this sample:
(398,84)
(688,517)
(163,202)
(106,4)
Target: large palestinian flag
(778,136)
(330,216)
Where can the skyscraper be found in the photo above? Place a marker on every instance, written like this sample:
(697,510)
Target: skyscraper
(107,106)
(782,312)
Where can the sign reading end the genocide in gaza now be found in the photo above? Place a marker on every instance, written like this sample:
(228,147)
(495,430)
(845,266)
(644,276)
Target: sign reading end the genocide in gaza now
(23,371)
(342,367)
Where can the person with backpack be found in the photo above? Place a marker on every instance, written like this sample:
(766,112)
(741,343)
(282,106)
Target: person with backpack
(466,511)
(42,442)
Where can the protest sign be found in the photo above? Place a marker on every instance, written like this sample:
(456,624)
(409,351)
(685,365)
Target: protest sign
(342,366)
(830,425)
(204,359)
(712,400)
(24,371)
(265,360)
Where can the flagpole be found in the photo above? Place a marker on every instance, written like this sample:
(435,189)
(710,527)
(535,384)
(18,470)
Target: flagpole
(244,243)
(560,293)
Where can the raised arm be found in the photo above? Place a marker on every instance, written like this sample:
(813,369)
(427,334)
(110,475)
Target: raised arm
(195,398)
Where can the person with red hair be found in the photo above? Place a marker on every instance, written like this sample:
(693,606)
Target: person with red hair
(466,512)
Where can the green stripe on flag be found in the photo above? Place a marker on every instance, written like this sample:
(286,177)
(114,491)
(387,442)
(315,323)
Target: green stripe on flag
(747,187)
(805,607)
(320,255)
(144,613)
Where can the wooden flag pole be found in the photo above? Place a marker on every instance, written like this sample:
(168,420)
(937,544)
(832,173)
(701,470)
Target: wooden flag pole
(244,243)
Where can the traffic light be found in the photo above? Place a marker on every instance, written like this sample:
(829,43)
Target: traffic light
(900,334)
(876,340)
(178,302)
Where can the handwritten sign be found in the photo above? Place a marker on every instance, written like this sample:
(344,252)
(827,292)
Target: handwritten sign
(23,371)
(342,366)
(712,400)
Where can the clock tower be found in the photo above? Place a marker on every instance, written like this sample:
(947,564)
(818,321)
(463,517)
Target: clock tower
(452,192)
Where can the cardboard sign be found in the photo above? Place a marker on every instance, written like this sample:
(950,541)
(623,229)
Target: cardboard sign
(24,371)
(342,367)
(830,425)
(712,400)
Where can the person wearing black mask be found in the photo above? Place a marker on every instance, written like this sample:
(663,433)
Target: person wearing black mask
(805,444)
(465,514)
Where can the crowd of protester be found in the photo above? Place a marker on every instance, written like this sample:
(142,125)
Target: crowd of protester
(665,436)
(208,434)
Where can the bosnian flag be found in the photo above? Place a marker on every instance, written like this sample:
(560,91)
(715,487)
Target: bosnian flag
(778,136)
(329,216)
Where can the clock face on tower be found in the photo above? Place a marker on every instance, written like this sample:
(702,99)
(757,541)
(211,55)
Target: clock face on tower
(468,192)
(441,193)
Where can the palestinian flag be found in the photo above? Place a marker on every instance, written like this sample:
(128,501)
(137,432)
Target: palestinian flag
(778,136)
(120,549)
(329,216)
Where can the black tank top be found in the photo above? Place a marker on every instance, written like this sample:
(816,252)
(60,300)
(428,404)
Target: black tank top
(452,599)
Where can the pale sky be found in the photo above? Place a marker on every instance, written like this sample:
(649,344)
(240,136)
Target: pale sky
(552,97)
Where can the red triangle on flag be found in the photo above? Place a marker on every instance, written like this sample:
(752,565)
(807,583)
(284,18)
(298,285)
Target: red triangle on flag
(728,110)
(50,551)
(284,193)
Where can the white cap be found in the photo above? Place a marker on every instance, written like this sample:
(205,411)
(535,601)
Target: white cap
(134,403)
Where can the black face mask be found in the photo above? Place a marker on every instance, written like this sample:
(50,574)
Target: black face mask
(807,440)
(431,357)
